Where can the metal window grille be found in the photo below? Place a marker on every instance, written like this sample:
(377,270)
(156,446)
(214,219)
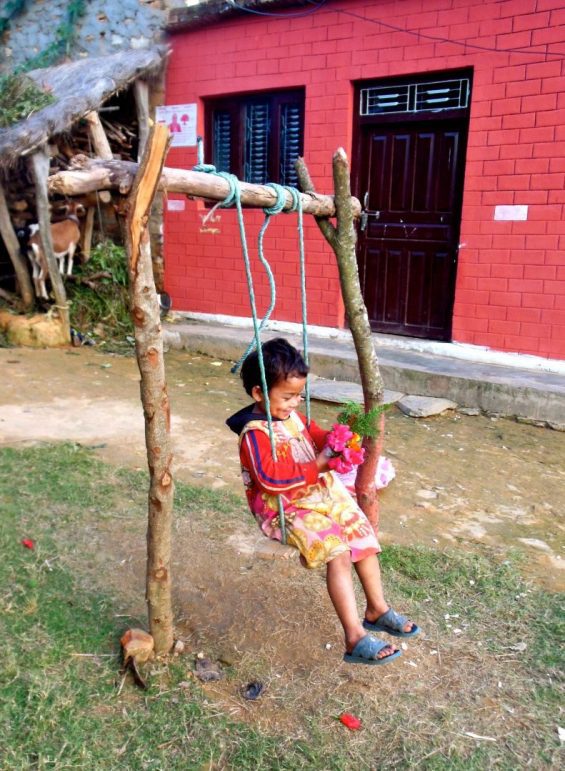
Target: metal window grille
(290,133)
(433,96)
(257,134)
(222,141)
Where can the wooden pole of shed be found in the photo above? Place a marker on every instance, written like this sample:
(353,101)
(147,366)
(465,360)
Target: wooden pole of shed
(154,397)
(39,163)
(98,136)
(141,95)
(13,247)
(102,150)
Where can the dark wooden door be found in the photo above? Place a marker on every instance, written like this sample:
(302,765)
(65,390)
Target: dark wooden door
(410,181)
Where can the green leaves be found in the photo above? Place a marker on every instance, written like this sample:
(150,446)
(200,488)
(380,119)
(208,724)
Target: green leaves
(20,97)
(361,422)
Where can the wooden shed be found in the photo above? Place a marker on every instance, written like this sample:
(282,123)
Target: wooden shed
(101,108)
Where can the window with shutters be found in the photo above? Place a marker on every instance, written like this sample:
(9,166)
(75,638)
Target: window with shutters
(257,137)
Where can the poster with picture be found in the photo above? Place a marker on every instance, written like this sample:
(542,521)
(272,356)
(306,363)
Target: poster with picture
(181,120)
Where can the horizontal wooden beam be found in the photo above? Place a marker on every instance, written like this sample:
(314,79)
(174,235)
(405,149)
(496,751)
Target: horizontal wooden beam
(118,175)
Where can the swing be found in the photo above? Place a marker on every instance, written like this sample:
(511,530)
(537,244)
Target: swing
(234,198)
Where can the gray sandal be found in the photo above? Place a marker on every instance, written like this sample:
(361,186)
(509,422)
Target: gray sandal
(392,623)
(366,650)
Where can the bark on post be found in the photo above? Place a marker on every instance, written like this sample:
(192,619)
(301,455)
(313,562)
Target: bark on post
(40,172)
(154,397)
(342,238)
(13,247)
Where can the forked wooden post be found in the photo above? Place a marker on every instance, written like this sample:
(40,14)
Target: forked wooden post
(342,238)
(154,397)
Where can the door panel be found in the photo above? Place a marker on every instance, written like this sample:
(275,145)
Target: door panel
(411,186)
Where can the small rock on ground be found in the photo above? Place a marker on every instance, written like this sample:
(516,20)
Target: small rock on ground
(427,494)
(341,391)
(273,550)
(424,406)
(531,421)
(535,543)
(207,670)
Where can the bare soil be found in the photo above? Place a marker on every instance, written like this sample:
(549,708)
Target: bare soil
(462,481)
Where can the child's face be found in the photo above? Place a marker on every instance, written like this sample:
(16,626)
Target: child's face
(284,396)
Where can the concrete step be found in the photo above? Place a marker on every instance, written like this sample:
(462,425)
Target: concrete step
(514,391)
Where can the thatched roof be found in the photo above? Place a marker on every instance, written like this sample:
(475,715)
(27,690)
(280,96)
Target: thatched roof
(212,11)
(78,88)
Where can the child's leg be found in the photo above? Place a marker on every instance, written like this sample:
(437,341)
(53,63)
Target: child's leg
(369,573)
(340,588)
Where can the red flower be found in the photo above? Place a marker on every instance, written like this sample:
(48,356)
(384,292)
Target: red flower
(28,543)
(338,437)
(340,465)
(350,721)
(354,457)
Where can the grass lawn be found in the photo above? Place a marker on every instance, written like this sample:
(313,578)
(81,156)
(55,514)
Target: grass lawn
(63,703)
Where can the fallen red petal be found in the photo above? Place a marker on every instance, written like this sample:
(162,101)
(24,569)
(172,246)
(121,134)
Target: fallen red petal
(350,721)
(28,543)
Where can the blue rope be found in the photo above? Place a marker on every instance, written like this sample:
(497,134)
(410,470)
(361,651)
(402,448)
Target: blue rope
(277,207)
(234,197)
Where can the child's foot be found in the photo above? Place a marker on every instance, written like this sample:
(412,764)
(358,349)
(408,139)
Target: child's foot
(390,622)
(369,650)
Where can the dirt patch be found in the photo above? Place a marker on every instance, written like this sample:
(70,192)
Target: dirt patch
(472,483)
(461,480)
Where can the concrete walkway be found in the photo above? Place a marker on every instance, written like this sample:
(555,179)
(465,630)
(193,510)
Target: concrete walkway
(520,387)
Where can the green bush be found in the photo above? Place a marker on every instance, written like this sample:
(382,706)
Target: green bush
(101,308)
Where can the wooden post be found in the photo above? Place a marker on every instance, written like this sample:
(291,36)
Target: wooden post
(98,136)
(86,246)
(154,397)
(342,238)
(13,248)
(40,171)
(141,95)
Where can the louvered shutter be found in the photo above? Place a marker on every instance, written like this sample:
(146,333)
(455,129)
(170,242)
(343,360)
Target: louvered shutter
(257,134)
(222,140)
(290,143)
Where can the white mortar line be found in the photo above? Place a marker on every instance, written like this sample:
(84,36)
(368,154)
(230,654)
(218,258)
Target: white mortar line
(464,351)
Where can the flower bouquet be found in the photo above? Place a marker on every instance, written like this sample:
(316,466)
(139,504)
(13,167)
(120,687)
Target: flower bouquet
(344,441)
(343,446)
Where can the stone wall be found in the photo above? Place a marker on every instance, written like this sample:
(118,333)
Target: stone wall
(106,27)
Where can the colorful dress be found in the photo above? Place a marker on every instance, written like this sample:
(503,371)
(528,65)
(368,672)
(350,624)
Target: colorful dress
(322,519)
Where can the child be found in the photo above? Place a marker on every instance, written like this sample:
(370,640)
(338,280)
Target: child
(322,519)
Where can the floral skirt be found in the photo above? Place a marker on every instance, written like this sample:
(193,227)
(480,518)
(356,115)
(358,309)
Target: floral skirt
(322,521)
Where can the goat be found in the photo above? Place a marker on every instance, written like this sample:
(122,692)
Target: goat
(65,236)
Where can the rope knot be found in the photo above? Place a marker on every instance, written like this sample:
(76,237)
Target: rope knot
(279,204)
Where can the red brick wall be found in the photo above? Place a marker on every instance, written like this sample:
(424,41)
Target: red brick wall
(510,292)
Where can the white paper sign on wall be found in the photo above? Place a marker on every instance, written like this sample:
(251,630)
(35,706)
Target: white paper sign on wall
(181,120)
(174,204)
(511,213)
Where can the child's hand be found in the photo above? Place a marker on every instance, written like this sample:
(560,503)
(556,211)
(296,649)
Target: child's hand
(322,461)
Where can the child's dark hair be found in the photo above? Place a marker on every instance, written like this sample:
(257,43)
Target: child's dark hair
(281,360)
